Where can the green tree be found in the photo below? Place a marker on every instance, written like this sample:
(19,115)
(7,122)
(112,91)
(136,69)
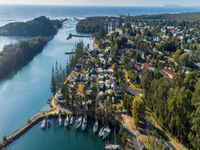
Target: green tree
(180,108)
(191,80)
(186,60)
(194,135)
(138,109)
(53,82)
(4,138)
(178,79)
(196,94)
(127,102)
(156,99)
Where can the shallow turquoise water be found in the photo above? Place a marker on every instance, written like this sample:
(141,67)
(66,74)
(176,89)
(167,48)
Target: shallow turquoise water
(59,138)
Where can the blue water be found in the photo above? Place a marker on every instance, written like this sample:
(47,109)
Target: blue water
(60,138)
(10,13)
(25,94)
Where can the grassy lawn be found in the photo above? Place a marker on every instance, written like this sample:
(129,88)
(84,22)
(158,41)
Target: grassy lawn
(133,86)
(118,107)
(145,139)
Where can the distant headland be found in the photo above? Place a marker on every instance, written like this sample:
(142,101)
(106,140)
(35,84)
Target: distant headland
(41,26)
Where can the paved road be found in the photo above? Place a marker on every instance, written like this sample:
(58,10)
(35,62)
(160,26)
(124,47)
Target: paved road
(165,138)
(133,91)
(134,135)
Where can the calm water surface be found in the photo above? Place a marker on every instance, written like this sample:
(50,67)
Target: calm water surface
(25,94)
(59,138)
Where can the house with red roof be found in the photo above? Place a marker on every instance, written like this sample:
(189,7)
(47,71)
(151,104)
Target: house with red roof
(169,72)
(137,67)
(146,65)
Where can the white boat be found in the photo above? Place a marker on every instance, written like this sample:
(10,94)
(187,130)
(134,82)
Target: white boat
(43,124)
(48,123)
(95,127)
(101,131)
(59,120)
(112,146)
(106,133)
(84,124)
(66,123)
(78,122)
(71,120)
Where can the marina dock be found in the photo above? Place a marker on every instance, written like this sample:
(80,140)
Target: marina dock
(53,113)
(29,125)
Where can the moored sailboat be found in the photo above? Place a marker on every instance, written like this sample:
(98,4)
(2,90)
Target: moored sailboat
(48,123)
(101,131)
(66,123)
(95,127)
(71,120)
(84,124)
(43,124)
(78,122)
(59,120)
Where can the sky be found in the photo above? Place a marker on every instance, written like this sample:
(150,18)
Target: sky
(105,2)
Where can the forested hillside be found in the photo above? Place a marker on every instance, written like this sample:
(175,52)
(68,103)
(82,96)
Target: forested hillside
(191,17)
(95,24)
(175,104)
(40,26)
(14,56)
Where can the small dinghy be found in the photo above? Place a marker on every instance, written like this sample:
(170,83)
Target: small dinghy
(106,133)
(112,146)
(78,122)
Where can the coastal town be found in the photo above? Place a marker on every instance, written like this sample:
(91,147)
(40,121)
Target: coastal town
(115,78)
(140,81)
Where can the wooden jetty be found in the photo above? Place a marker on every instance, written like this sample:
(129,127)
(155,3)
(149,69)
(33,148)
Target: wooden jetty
(70,53)
(29,125)
(54,112)
(80,36)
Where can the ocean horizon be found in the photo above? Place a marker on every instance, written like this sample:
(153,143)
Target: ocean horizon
(11,13)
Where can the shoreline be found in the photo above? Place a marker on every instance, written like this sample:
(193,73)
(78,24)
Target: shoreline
(54,112)
(57,109)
